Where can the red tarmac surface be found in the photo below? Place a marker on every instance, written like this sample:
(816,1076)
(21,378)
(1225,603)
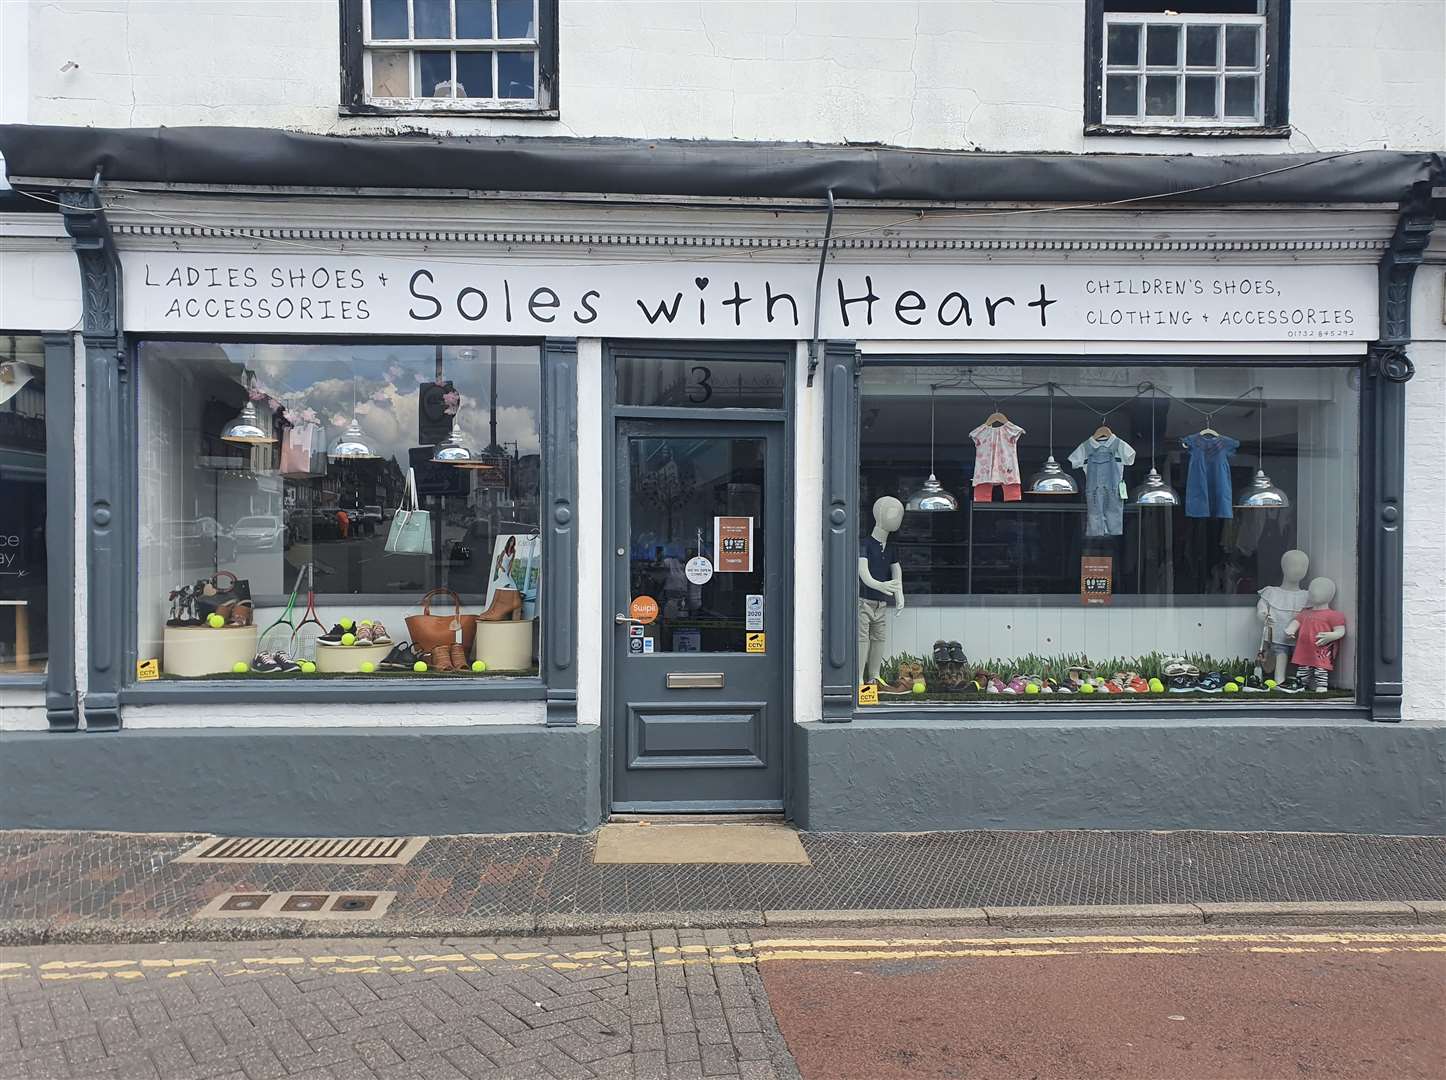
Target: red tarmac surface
(1223,1013)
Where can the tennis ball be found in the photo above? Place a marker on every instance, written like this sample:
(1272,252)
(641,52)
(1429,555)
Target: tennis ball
(308,667)
(366,622)
(479,665)
(919,687)
(1156,686)
(348,639)
(1031,688)
(346,624)
(1271,683)
(420,665)
(215,621)
(368,666)
(1231,688)
(1087,688)
(239,667)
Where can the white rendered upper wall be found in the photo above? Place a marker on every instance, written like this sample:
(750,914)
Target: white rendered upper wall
(989,74)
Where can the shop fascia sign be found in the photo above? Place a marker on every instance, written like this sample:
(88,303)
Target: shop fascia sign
(197,293)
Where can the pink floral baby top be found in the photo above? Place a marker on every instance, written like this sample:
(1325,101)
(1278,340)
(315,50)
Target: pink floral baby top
(996,453)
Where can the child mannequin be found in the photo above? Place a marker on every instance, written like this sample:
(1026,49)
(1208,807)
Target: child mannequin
(878,592)
(1317,630)
(1279,605)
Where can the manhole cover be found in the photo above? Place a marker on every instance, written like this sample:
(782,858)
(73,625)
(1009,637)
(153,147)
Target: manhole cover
(245,901)
(298,905)
(351,902)
(337,850)
(304,902)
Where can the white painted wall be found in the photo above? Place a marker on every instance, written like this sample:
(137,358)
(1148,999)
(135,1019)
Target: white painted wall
(807,542)
(1001,75)
(592,620)
(418,714)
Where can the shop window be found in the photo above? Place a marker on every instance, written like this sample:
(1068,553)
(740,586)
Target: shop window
(1085,530)
(1208,67)
(23,625)
(366,511)
(450,55)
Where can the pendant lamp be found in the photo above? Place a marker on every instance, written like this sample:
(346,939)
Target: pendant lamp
(454,450)
(1260,493)
(1153,491)
(1051,478)
(351,444)
(246,427)
(931,498)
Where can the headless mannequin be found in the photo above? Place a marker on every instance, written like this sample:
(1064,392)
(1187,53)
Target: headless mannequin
(1319,597)
(1293,567)
(888,516)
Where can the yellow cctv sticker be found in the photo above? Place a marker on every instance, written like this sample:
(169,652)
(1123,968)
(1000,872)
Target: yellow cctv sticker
(869,694)
(148,670)
(753,642)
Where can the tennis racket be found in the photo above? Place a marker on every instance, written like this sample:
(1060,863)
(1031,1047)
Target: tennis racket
(303,638)
(276,638)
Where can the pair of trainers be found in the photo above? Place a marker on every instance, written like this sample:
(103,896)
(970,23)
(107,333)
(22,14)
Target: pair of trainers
(266,663)
(367,632)
(402,658)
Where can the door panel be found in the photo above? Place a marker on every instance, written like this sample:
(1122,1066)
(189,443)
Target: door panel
(701,701)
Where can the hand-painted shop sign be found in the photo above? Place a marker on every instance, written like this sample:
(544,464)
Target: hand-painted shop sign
(732,299)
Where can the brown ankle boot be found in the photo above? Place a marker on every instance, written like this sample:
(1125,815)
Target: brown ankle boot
(506,604)
(442,658)
(459,657)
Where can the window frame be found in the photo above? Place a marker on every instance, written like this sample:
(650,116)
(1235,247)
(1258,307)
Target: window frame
(357,45)
(842,514)
(555,681)
(1275,78)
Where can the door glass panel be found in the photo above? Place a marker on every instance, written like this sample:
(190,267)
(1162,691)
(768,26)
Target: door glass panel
(700,383)
(692,497)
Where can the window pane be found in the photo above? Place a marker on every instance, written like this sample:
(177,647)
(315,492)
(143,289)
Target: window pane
(1002,577)
(1161,95)
(514,75)
(1240,96)
(24,629)
(432,18)
(1162,46)
(434,74)
(389,19)
(212,508)
(1122,95)
(514,19)
(701,384)
(391,73)
(474,20)
(1202,46)
(1200,95)
(1123,45)
(474,73)
(1240,50)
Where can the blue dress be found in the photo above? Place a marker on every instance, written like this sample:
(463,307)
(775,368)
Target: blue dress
(1207,487)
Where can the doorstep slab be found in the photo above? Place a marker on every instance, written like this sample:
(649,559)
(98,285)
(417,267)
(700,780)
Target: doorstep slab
(675,844)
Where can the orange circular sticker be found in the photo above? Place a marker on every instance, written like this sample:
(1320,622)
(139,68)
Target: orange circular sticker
(643,609)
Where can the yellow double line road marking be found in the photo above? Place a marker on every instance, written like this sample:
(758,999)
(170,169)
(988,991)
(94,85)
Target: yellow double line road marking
(764,950)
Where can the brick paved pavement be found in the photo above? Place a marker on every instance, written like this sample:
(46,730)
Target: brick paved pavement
(664,1005)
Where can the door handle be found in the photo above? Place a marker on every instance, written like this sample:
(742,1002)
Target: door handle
(623,620)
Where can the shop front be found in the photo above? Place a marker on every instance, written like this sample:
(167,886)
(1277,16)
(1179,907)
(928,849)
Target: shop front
(417,514)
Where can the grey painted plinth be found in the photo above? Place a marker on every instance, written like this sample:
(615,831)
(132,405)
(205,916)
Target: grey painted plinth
(304,782)
(1309,775)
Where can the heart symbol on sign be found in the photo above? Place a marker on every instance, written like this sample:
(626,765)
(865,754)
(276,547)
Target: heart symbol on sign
(701,282)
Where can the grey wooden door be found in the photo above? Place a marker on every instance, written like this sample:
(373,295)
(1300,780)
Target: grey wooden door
(701,694)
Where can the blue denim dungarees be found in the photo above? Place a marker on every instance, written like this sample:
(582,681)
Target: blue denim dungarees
(1103,462)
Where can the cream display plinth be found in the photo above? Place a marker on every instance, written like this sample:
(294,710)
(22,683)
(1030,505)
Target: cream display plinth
(504,646)
(204,650)
(348,659)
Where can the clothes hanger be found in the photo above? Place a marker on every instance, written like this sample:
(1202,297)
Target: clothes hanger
(996,418)
(1102,432)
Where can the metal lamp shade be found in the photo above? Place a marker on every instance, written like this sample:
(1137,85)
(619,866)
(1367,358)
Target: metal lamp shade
(1261,494)
(932,498)
(1052,480)
(1153,491)
(454,451)
(351,445)
(246,428)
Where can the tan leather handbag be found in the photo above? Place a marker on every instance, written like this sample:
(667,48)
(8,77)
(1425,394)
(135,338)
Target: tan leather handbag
(428,630)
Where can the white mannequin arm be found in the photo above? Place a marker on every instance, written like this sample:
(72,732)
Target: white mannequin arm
(1325,637)
(1262,610)
(898,584)
(892,588)
(1293,628)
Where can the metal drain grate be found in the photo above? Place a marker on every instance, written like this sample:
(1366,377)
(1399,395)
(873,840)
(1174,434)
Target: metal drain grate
(353,850)
(307,906)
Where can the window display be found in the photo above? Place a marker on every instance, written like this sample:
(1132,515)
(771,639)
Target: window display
(23,626)
(339,510)
(1199,538)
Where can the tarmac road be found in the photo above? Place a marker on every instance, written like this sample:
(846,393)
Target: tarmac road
(1230,1005)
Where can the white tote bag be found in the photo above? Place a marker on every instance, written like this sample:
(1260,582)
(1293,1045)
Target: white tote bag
(411,529)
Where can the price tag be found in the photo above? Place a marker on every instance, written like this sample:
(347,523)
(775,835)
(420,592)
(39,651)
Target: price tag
(869,694)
